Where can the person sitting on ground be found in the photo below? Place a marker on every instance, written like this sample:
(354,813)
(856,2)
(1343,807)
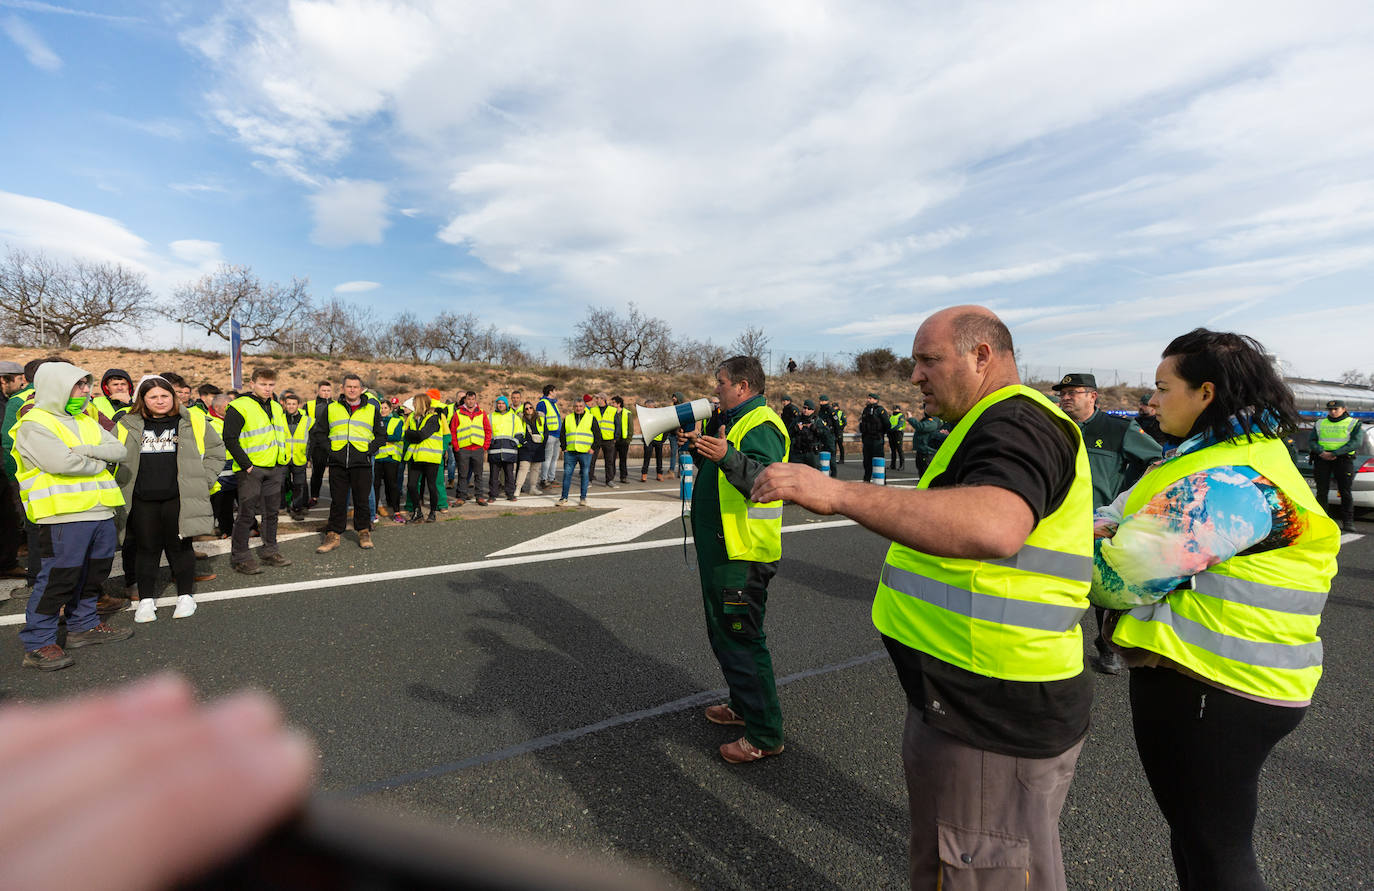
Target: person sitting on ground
(171,463)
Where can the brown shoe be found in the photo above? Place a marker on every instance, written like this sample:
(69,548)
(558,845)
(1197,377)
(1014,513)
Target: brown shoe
(383,510)
(723,714)
(659,477)
(201,555)
(108,606)
(207,577)
(276,560)
(331,541)
(247,567)
(742,751)
(365,539)
(100,634)
(49,658)
(644,477)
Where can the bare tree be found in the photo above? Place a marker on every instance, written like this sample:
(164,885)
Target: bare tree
(632,341)
(406,338)
(235,292)
(42,299)
(750,342)
(1355,377)
(456,335)
(337,328)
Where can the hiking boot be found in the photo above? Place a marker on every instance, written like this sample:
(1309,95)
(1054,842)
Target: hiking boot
(1106,662)
(107,605)
(659,477)
(331,541)
(247,567)
(723,714)
(365,539)
(49,658)
(383,511)
(100,634)
(644,477)
(276,560)
(432,518)
(742,751)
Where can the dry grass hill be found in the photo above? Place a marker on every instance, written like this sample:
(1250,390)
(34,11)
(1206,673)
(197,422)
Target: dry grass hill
(404,379)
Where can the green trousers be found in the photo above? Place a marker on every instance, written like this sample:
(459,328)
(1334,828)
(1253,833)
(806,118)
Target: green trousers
(735,596)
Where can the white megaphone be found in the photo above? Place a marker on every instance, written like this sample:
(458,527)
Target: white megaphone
(653,421)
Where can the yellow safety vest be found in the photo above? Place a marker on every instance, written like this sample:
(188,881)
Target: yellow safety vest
(552,417)
(536,433)
(296,442)
(55,494)
(429,450)
(262,439)
(472,433)
(1015,618)
(390,451)
(351,428)
(607,418)
(1331,435)
(1250,622)
(505,426)
(577,430)
(626,424)
(445,411)
(897,421)
(753,531)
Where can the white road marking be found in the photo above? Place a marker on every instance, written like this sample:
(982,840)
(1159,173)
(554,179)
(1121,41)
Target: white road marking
(447,569)
(1348,537)
(628,520)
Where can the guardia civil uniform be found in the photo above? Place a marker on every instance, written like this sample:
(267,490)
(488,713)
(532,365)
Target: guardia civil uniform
(739,544)
(1342,436)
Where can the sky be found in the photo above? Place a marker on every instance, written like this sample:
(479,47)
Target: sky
(1105,176)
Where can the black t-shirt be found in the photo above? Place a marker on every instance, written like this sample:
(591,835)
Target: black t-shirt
(1014,445)
(157,460)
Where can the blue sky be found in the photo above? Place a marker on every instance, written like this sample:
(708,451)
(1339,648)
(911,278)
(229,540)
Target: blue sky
(1106,176)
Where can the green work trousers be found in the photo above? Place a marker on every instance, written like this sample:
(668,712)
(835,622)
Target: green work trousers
(735,595)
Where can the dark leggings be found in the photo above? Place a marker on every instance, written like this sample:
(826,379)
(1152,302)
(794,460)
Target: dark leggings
(430,473)
(385,481)
(154,524)
(1202,749)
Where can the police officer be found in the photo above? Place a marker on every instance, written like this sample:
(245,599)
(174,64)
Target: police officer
(809,437)
(1331,449)
(897,429)
(873,426)
(841,422)
(1118,453)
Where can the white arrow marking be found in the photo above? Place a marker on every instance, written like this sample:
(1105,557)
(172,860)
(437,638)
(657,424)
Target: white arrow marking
(628,520)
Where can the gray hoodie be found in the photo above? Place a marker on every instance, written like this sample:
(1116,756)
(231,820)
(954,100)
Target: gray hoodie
(41,448)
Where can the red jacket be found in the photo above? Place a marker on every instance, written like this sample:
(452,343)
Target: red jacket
(486,428)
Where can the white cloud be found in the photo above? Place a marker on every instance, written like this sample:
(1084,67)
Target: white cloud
(191,188)
(36,224)
(36,6)
(356,287)
(349,212)
(36,50)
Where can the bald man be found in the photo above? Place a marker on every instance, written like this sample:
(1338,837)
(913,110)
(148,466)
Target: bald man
(979,602)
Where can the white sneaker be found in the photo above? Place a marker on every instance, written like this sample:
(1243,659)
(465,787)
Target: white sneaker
(581,502)
(186,606)
(560,502)
(147,610)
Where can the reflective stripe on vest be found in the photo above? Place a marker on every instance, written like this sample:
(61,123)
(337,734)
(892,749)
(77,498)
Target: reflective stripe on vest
(1331,435)
(472,432)
(295,442)
(58,494)
(1249,623)
(753,531)
(552,417)
(577,430)
(626,424)
(608,419)
(504,428)
(1014,618)
(261,439)
(351,428)
(430,450)
(391,451)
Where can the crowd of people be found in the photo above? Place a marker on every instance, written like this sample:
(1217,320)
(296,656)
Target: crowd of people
(1189,529)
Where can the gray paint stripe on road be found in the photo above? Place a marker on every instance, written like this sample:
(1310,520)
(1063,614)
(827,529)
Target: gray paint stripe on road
(446,569)
(554,739)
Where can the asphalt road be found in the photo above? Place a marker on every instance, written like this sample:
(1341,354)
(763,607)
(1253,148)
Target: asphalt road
(556,697)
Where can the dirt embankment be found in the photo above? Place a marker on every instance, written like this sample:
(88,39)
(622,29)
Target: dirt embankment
(405,379)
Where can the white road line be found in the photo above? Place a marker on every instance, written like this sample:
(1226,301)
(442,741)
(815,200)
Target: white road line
(1348,537)
(447,569)
(627,520)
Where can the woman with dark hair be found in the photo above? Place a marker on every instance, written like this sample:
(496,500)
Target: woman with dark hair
(172,462)
(1221,559)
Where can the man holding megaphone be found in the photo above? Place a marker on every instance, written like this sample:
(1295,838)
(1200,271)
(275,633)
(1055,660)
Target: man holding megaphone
(739,544)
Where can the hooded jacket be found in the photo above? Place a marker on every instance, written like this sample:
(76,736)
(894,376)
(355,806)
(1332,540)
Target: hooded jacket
(195,473)
(39,447)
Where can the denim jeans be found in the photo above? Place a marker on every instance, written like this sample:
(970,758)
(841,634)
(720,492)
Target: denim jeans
(572,460)
(549,472)
(76,560)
